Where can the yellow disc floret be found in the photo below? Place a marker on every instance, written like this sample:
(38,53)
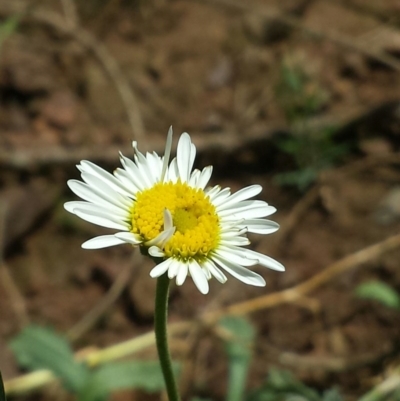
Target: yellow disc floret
(194,217)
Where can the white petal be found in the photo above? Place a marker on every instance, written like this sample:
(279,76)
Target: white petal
(239,206)
(241,273)
(241,195)
(182,274)
(85,192)
(136,174)
(264,260)
(107,178)
(129,237)
(235,240)
(156,252)
(167,153)
(220,197)
(161,238)
(126,181)
(154,161)
(174,268)
(194,177)
(205,176)
(101,220)
(215,271)
(234,257)
(173,172)
(69,206)
(168,221)
(161,268)
(102,241)
(144,168)
(115,214)
(185,156)
(232,230)
(212,192)
(97,194)
(192,155)
(107,191)
(198,276)
(247,210)
(260,226)
(206,272)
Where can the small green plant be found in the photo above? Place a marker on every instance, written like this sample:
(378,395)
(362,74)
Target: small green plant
(41,348)
(312,150)
(379,291)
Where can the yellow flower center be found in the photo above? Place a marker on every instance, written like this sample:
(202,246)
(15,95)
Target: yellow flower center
(194,216)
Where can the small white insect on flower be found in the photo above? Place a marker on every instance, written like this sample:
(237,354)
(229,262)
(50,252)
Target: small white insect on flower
(168,210)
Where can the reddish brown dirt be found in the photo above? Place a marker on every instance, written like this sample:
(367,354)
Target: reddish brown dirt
(212,70)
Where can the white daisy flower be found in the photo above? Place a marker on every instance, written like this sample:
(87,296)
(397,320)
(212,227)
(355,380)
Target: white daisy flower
(168,210)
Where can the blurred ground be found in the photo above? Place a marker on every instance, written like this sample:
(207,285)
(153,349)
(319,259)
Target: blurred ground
(82,79)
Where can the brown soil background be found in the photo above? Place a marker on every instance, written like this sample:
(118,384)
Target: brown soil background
(210,68)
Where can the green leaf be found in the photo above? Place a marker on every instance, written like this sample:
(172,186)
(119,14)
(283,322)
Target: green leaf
(144,375)
(239,351)
(41,348)
(379,291)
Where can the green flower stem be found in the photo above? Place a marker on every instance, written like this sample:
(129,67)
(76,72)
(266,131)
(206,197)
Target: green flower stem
(160,327)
